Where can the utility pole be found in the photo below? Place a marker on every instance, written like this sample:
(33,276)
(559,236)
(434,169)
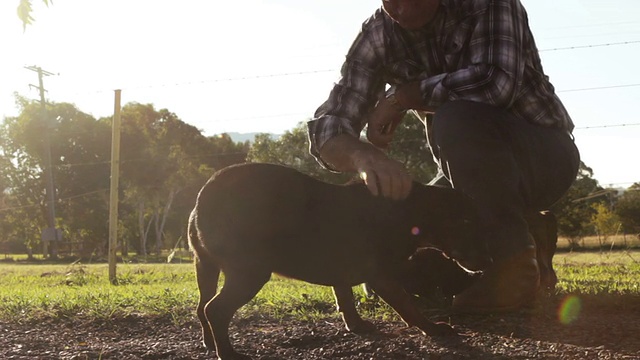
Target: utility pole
(50,234)
(113,197)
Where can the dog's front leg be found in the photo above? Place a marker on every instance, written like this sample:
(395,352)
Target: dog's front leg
(347,308)
(395,296)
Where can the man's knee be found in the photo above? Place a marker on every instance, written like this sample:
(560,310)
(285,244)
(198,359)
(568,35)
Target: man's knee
(463,119)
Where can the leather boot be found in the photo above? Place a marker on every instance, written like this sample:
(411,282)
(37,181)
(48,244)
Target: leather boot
(508,285)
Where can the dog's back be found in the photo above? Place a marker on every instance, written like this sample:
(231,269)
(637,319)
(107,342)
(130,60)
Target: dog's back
(276,218)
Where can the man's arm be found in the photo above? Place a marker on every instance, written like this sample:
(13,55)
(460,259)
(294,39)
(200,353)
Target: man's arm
(343,151)
(382,175)
(496,55)
(334,132)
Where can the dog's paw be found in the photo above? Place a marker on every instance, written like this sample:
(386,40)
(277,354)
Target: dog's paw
(444,329)
(439,329)
(361,327)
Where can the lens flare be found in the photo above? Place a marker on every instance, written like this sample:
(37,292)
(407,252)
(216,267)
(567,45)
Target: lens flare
(415,230)
(569,310)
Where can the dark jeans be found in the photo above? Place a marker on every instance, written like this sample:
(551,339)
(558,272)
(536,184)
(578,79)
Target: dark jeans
(507,165)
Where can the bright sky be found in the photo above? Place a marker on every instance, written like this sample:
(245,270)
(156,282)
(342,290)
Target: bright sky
(265,65)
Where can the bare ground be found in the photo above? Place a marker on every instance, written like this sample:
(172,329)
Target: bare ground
(601,331)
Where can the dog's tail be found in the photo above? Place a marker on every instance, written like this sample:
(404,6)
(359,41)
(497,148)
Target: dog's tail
(195,244)
(204,261)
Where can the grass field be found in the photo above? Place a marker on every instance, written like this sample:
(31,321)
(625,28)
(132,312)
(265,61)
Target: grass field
(32,292)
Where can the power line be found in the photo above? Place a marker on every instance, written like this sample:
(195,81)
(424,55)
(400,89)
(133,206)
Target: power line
(590,46)
(593,25)
(261,117)
(620,184)
(606,126)
(145,159)
(569,90)
(558,91)
(59,200)
(83,195)
(311,72)
(595,195)
(600,88)
(230,79)
(18,207)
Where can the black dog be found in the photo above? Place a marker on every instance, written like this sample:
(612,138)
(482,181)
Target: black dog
(253,220)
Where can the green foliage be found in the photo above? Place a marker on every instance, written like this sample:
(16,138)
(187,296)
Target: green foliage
(24,12)
(23,145)
(574,210)
(164,162)
(409,146)
(579,214)
(605,221)
(20,195)
(628,209)
(292,149)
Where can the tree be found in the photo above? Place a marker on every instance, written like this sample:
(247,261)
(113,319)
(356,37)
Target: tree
(292,149)
(20,201)
(165,162)
(628,209)
(81,146)
(159,160)
(409,146)
(79,164)
(223,151)
(23,188)
(574,210)
(605,221)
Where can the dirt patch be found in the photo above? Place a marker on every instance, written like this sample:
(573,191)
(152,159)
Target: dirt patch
(596,332)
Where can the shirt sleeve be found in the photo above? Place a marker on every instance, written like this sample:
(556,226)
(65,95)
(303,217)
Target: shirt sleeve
(352,97)
(495,54)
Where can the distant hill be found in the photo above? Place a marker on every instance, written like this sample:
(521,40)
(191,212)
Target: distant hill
(242,137)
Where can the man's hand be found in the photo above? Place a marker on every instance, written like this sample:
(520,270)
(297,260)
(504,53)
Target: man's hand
(382,123)
(382,175)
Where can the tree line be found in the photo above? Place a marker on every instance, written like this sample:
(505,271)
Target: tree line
(165,161)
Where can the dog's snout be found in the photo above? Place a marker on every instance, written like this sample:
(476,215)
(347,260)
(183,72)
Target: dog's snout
(472,261)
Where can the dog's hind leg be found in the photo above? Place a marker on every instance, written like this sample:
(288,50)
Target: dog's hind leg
(346,308)
(207,274)
(238,289)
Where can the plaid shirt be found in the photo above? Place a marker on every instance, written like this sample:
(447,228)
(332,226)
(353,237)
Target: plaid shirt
(477,50)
